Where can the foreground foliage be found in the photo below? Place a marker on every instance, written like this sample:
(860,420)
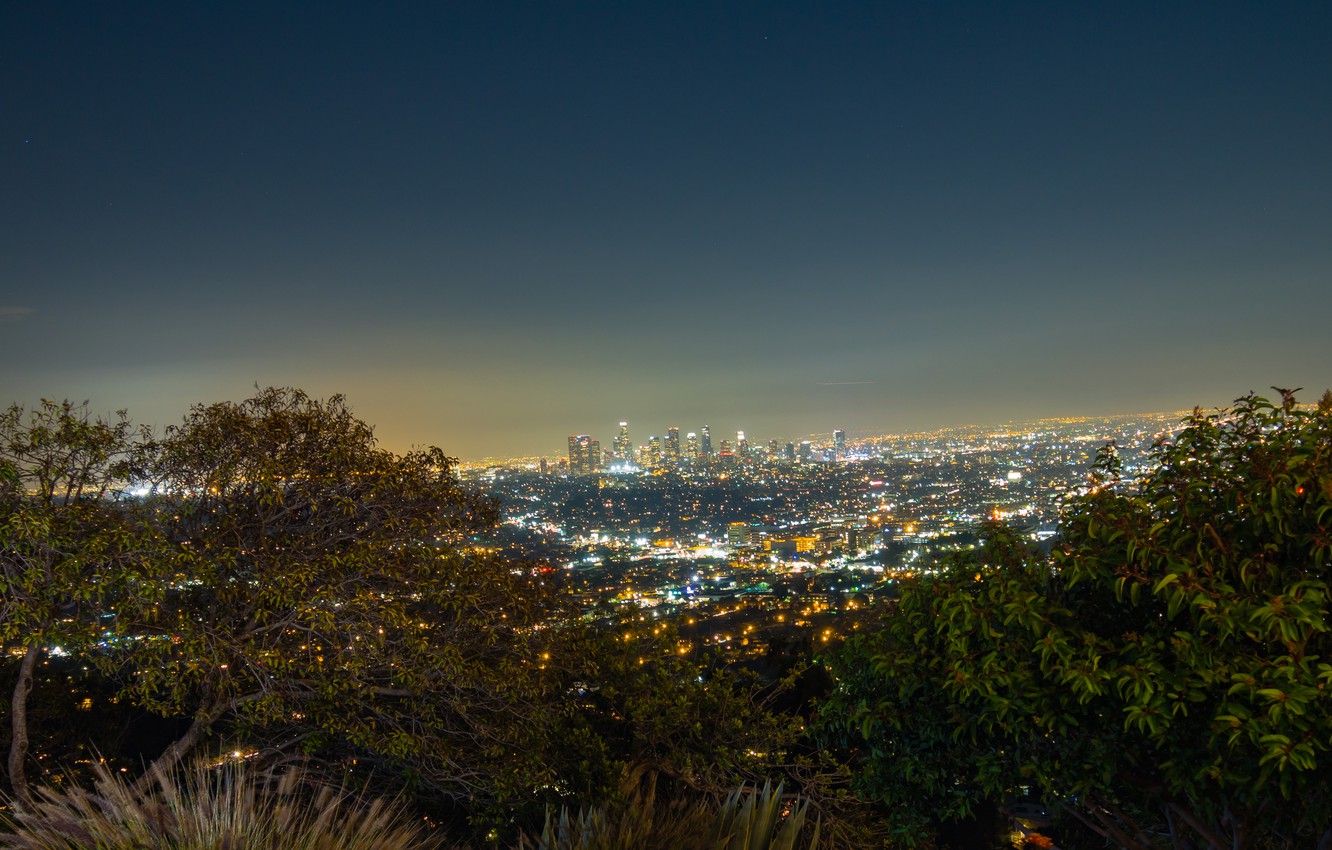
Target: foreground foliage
(330,598)
(205,808)
(233,806)
(287,587)
(72,547)
(264,577)
(1166,677)
(748,819)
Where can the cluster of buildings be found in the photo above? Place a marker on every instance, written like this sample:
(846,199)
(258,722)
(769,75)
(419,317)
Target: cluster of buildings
(773,547)
(695,449)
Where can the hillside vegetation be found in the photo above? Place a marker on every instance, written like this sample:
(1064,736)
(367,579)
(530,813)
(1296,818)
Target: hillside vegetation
(190,616)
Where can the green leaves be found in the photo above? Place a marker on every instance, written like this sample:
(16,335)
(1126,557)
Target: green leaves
(1180,644)
(72,548)
(1169,578)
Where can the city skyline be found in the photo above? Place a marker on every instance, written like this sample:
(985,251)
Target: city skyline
(831,443)
(492,226)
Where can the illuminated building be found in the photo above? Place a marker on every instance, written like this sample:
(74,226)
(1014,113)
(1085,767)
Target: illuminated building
(727,453)
(622,447)
(584,454)
(673,445)
(806,452)
(707,442)
(691,445)
(736,533)
(839,444)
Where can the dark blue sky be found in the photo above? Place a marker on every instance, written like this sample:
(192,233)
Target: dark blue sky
(492,225)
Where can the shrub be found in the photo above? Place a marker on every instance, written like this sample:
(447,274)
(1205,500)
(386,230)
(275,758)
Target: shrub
(220,808)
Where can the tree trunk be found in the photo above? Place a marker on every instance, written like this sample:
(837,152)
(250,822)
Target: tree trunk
(18,726)
(1104,826)
(1215,841)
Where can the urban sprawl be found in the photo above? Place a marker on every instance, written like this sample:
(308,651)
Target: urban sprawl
(760,549)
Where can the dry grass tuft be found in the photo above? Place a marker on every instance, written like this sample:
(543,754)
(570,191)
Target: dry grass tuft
(221,808)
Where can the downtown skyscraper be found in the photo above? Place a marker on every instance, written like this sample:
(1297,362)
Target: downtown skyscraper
(584,454)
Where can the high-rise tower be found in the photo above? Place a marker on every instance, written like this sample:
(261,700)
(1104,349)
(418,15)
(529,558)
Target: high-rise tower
(623,449)
(584,454)
(707,442)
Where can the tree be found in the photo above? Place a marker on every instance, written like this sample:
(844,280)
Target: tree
(1165,676)
(897,714)
(290,587)
(76,556)
(326,595)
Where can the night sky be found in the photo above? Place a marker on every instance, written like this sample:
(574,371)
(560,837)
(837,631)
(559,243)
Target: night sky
(493,225)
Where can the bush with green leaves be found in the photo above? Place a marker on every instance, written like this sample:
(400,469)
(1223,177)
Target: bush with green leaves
(1166,676)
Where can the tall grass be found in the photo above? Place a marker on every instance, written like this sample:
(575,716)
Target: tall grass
(233,808)
(639,826)
(202,808)
(749,819)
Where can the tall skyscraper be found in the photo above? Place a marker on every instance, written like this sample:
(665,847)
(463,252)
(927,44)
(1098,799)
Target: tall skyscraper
(691,445)
(707,442)
(839,444)
(673,444)
(584,454)
(741,444)
(622,447)
(726,454)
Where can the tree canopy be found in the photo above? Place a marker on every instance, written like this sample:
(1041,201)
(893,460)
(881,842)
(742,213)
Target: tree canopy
(265,573)
(72,548)
(328,594)
(280,583)
(1165,676)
